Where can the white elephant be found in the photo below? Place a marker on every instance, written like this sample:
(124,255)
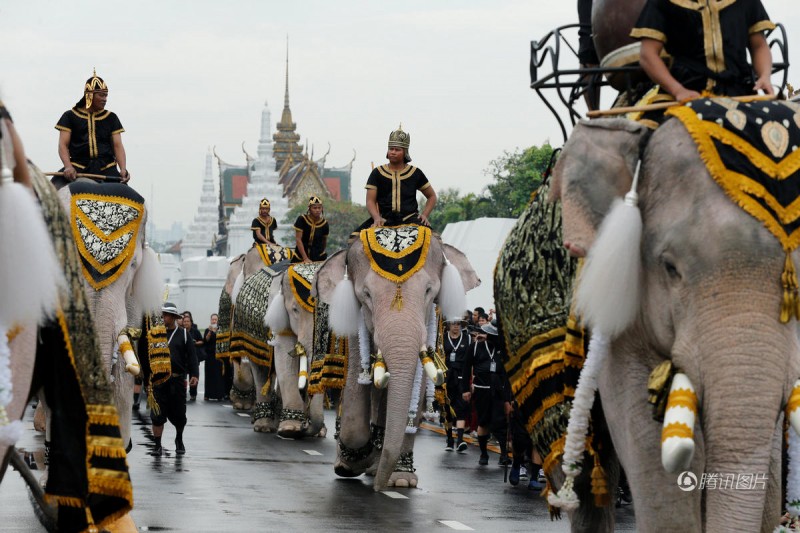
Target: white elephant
(123,279)
(395,276)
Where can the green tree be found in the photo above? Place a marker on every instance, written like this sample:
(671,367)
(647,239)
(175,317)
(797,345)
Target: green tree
(516,175)
(343,218)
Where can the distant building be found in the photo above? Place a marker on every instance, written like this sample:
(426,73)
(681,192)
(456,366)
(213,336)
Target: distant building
(202,234)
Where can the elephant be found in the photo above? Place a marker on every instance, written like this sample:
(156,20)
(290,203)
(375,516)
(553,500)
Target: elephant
(59,353)
(707,301)
(395,275)
(122,275)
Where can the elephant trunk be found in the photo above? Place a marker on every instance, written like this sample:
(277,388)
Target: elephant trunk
(744,380)
(398,400)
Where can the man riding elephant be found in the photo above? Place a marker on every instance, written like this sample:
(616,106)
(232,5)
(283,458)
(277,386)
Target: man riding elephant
(90,140)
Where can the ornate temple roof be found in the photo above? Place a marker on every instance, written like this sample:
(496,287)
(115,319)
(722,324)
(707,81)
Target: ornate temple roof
(286,139)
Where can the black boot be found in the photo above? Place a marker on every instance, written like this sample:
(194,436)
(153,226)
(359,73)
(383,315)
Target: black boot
(158,451)
(483,440)
(136,397)
(180,449)
(504,460)
(450,445)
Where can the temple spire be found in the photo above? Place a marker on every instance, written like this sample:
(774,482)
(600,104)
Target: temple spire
(286,139)
(286,94)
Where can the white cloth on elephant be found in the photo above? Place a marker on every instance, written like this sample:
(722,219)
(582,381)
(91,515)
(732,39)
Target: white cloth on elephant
(793,475)
(10,431)
(411,426)
(364,349)
(578,425)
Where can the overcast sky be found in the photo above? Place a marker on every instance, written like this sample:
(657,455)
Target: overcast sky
(185,75)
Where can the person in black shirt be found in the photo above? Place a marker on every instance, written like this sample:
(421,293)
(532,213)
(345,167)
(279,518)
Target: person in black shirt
(492,392)
(215,380)
(264,225)
(456,343)
(197,337)
(392,189)
(708,43)
(90,140)
(311,234)
(171,395)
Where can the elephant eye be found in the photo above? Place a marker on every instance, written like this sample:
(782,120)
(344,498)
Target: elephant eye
(366,294)
(671,270)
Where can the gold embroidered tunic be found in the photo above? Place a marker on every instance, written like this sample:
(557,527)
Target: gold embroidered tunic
(397,190)
(91,148)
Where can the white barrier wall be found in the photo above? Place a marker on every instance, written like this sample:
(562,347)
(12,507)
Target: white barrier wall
(202,279)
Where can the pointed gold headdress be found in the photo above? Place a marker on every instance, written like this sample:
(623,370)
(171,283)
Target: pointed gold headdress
(93,84)
(264,203)
(314,200)
(400,139)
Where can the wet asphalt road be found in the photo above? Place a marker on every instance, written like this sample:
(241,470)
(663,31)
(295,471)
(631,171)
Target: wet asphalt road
(233,479)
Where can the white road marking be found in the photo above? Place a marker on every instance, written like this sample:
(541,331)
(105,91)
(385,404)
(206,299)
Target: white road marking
(312,452)
(243,414)
(395,495)
(454,524)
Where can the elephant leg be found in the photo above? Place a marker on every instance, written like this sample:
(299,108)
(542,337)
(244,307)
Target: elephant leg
(377,427)
(316,414)
(242,393)
(774,504)
(287,368)
(354,447)
(264,415)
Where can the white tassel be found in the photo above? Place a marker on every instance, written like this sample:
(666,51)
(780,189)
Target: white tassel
(414,404)
(607,296)
(302,379)
(452,295)
(578,425)
(30,273)
(148,284)
(277,318)
(343,317)
(237,286)
(10,431)
(793,476)
(364,347)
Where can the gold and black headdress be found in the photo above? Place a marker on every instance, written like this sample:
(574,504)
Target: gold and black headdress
(264,203)
(314,200)
(93,85)
(400,139)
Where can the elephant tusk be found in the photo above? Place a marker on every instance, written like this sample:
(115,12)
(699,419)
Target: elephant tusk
(303,374)
(435,374)
(793,408)
(677,436)
(379,374)
(126,349)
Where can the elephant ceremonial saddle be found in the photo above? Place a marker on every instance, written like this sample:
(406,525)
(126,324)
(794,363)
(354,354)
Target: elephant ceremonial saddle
(301,276)
(396,253)
(272,253)
(105,220)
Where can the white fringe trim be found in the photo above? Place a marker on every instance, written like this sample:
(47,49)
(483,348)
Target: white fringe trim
(10,431)
(148,283)
(277,318)
(343,317)
(578,425)
(414,404)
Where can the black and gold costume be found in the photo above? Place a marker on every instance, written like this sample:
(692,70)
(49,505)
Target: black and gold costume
(267,228)
(314,237)
(397,193)
(455,352)
(91,148)
(706,39)
(171,395)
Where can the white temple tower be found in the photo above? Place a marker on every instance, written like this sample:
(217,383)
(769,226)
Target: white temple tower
(198,240)
(263,184)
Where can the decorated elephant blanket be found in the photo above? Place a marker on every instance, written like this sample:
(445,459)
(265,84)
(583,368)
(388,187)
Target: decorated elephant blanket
(533,284)
(249,335)
(88,473)
(328,367)
(224,326)
(750,150)
(106,219)
(272,253)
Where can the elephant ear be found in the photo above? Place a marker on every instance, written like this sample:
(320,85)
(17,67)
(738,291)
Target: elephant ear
(595,167)
(328,276)
(469,277)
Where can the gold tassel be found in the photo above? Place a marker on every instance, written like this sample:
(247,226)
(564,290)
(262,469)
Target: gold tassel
(152,403)
(599,484)
(790,307)
(265,388)
(397,302)
(91,528)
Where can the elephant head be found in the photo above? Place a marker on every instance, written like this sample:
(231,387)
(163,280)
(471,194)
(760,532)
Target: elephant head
(708,301)
(396,315)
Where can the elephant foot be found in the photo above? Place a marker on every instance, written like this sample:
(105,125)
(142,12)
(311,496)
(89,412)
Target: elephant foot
(323,432)
(403,480)
(264,425)
(352,462)
(290,429)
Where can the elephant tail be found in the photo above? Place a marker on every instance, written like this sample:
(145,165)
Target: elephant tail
(148,285)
